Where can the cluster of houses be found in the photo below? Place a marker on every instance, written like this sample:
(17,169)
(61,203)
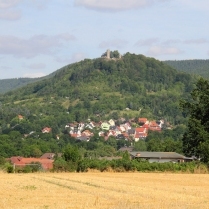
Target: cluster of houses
(123,130)
(82,131)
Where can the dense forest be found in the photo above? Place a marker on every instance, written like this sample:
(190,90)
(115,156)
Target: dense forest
(14,83)
(97,90)
(196,67)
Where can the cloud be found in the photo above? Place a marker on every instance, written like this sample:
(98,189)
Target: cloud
(5,4)
(10,15)
(160,50)
(40,4)
(167,44)
(34,75)
(171,42)
(196,41)
(147,42)
(201,5)
(6,68)
(8,10)
(117,43)
(114,5)
(76,57)
(35,66)
(34,46)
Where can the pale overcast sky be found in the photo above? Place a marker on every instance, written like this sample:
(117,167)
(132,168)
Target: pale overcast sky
(38,37)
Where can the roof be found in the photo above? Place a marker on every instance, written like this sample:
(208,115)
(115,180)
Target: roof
(87,133)
(46,130)
(21,161)
(141,130)
(20,117)
(131,131)
(83,138)
(142,120)
(48,156)
(164,155)
(153,124)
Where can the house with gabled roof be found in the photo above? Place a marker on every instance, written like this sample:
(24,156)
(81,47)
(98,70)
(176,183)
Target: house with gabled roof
(87,133)
(105,126)
(111,133)
(46,130)
(18,161)
(140,133)
(101,133)
(111,122)
(143,120)
(20,117)
(90,125)
(153,126)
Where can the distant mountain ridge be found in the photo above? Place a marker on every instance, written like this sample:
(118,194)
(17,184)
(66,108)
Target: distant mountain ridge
(196,66)
(15,83)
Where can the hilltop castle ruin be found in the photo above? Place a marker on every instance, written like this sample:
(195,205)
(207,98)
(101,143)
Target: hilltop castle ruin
(114,55)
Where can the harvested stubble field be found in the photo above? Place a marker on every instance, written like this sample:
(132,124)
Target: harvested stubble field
(104,190)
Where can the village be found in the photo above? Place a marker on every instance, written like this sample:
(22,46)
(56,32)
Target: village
(124,130)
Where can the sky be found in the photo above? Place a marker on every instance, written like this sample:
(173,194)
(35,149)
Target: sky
(38,37)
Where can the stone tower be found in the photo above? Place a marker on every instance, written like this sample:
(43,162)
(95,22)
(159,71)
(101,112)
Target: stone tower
(108,54)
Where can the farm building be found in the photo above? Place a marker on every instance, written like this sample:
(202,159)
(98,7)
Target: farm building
(46,164)
(160,157)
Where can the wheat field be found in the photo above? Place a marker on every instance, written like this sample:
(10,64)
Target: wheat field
(104,191)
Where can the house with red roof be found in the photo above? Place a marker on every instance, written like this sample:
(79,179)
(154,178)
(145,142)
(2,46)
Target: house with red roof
(143,120)
(20,117)
(153,126)
(18,161)
(87,133)
(46,130)
(140,133)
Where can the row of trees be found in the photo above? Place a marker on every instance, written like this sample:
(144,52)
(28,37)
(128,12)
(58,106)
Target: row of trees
(72,161)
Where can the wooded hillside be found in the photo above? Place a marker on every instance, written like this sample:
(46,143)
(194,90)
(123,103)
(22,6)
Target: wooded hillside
(196,67)
(99,89)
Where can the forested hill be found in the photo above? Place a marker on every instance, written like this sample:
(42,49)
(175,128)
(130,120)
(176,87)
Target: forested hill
(14,83)
(104,88)
(197,67)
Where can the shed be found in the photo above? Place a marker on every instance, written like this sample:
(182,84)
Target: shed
(160,157)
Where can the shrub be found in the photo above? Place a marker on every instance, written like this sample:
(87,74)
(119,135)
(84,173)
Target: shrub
(10,169)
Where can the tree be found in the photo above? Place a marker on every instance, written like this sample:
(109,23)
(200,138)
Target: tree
(140,146)
(116,54)
(60,165)
(196,138)
(71,154)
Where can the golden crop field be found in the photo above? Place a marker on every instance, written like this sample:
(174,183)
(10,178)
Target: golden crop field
(104,191)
